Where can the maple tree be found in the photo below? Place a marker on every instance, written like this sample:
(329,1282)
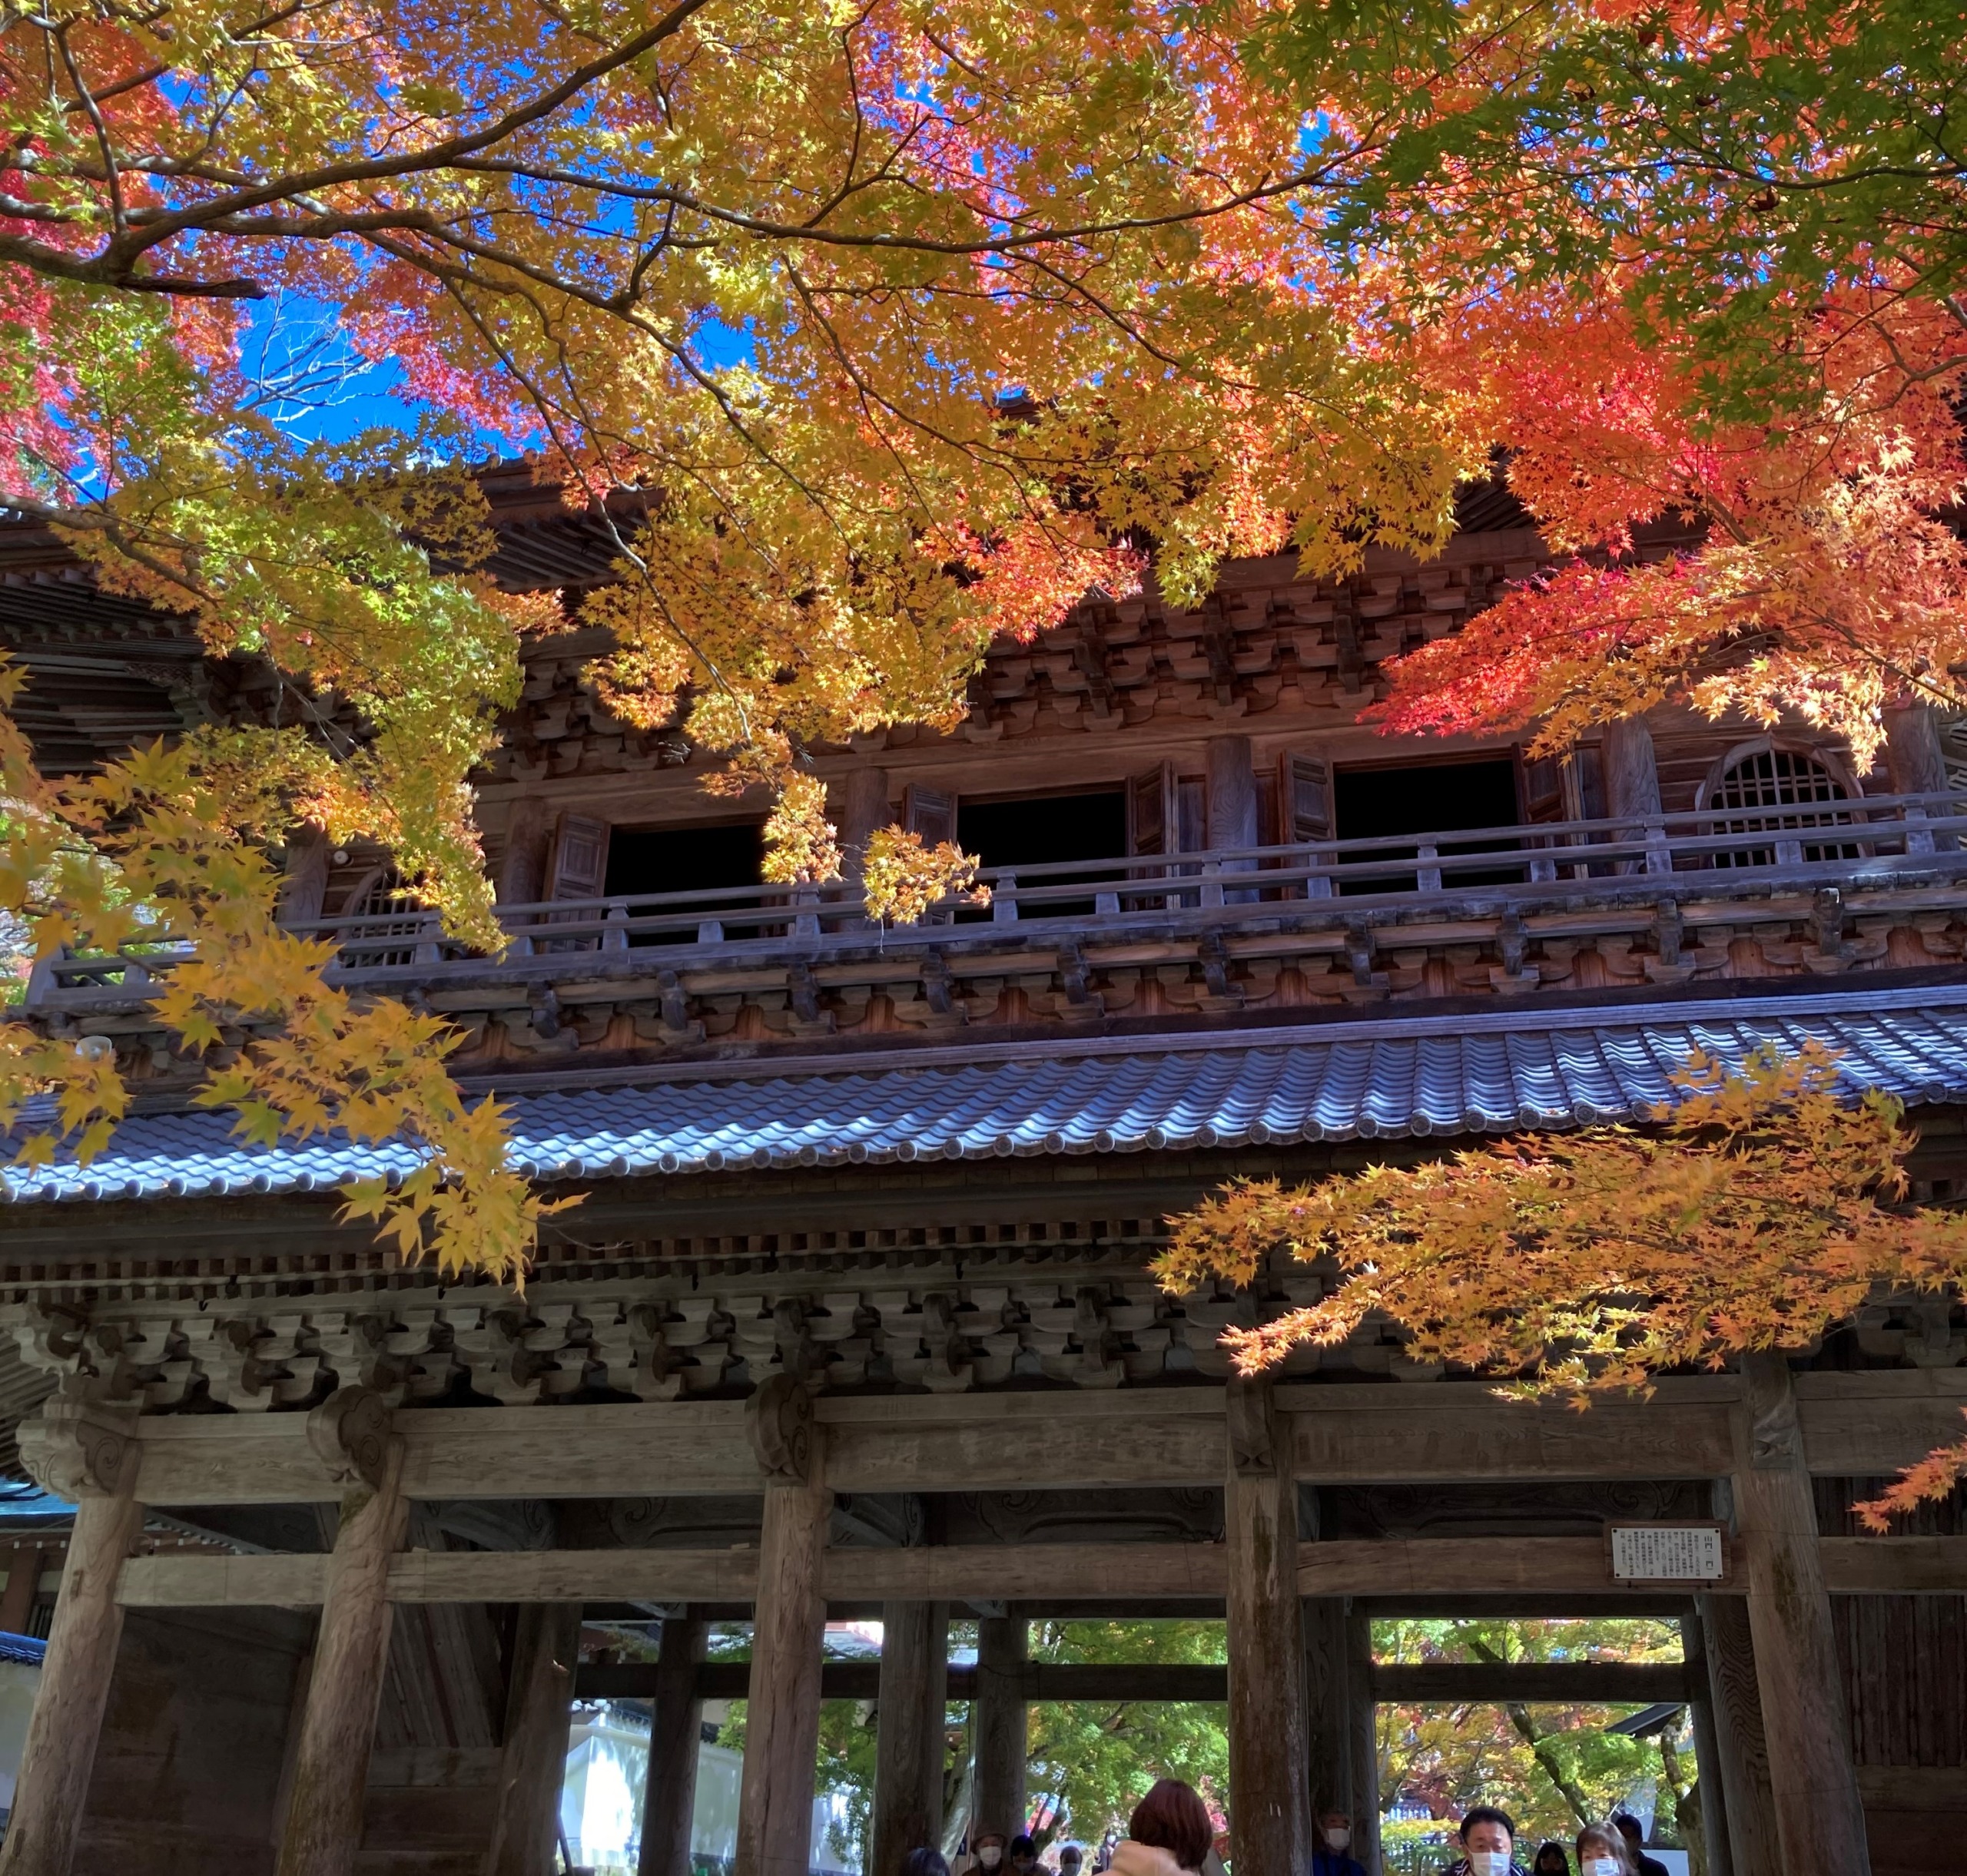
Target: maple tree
(868,332)
(1761,1211)
(1694,265)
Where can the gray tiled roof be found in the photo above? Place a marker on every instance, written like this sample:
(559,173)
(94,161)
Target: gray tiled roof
(1375,1078)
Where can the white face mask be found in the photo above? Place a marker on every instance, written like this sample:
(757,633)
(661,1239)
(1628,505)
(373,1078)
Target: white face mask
(1601,1866)
(1489,1862)
(990,1856)
(1339,1838)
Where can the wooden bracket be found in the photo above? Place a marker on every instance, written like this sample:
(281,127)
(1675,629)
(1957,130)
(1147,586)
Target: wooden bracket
(75,1449)
(778,1421)
(350,1432)
(1252,1429)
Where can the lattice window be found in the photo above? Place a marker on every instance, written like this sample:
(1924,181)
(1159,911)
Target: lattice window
(387,912)
(1773,790)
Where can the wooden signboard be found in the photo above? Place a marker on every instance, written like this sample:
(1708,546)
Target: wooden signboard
(1688,1553)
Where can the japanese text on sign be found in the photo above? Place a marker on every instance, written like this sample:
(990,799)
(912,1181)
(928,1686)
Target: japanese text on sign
(1668,1553)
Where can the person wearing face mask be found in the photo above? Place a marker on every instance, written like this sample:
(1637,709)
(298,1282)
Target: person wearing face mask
(1551,1860)
(1329,1857)
(1024,1856)
(1070,1859)
(1628,1827)
(987,1855)
(1602,1851)
(1488,1843)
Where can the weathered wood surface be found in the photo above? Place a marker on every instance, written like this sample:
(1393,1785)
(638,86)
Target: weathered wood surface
(532,1764)
(1031,1572)
(861,1680)
(782,1717)
(1641,1683)
(1859,1423)
(1326,1697)
(1270,1820)
(1853,1424)
(1452,1431)
(1820,1816)
(675,1720)
(911,1677)
(1362,1740)
(1742,1746)
(338,1727)
(998,1726)
(50,1794)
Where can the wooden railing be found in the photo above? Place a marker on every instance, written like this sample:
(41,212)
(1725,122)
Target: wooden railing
(1746,852)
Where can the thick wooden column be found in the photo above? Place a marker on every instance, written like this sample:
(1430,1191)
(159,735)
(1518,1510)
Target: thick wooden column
(908,1749)
(532,1765)
(1632,770)
(304,889)
(1741,1751)
(1328,1702)
(350,1432)
(1269,1805)
(1706,1756)
(998,1801)
(1364,1740)
(675,1731)
(782,1714)
(87,1455)
(1820,1820)
(522,866)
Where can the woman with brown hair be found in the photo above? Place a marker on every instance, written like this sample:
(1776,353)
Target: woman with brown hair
(1602,1851)
(1169,1833)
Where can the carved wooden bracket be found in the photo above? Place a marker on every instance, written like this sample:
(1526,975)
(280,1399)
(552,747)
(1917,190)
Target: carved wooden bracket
(1776,1440)
(1252,1429)
(76,1448)
(778,1419)
(350,1432)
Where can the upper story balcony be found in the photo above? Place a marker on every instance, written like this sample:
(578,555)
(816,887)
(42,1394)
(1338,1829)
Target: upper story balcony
(1597,905)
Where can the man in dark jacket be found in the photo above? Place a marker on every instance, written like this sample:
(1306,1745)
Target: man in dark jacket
(1488,1843)
(1330,1858)
(1629,1829)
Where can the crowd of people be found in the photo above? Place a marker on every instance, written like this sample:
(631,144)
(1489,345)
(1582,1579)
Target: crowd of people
(1172,1834)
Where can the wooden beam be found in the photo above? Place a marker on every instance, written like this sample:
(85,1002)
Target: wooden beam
(533,1760)
(1531,1574)
(1566,1683)
(1855,1424)
(911,1743)
(999,1732)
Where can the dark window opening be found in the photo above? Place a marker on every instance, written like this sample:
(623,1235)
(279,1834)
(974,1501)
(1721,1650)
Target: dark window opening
(708,860)
(1042,829)
(1374,803)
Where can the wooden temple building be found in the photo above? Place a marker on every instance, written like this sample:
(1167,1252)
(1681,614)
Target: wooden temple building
(856,1317)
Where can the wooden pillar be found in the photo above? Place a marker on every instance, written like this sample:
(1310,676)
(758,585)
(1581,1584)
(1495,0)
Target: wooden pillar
(1707,1755)
(1328,1701)
(350,1432)
(1820,1818)
(17,1599)
(523,862)
(89,1456)
(1232,792)
(675,1731)
(1364,1740)
(1632,773)
(1269,1805)
(1914,760)
(997,1802)
(908,1747)
(782,1716)
(858,805)
(532,1765)
(1748,1805)
(304,889)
